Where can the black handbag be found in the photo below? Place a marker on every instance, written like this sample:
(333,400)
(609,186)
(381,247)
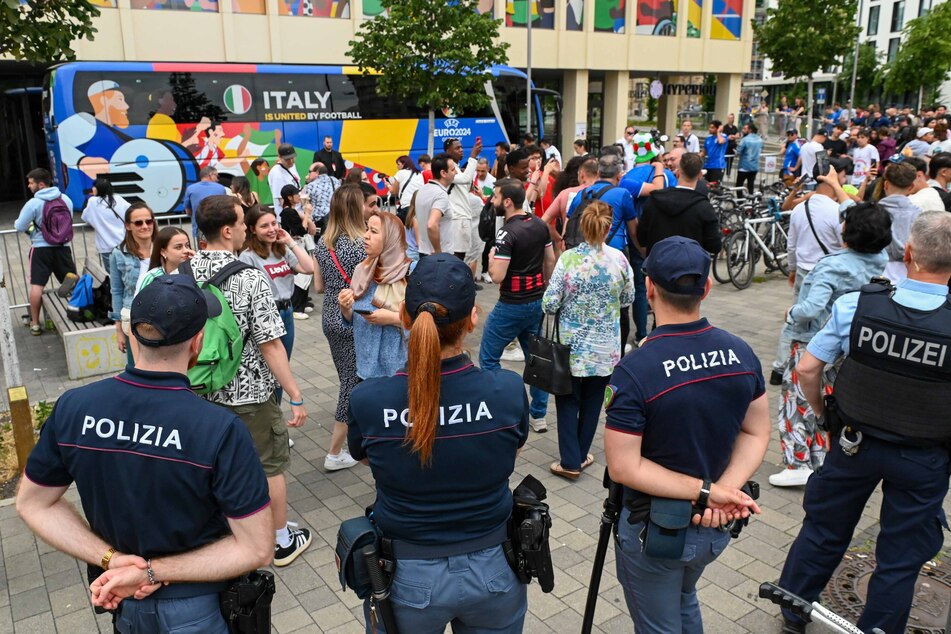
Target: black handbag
(546,366)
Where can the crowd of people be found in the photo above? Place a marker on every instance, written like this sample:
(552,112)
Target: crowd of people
(588,246)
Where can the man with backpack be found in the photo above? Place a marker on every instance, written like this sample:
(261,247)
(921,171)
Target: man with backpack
(249,392)
(48,219)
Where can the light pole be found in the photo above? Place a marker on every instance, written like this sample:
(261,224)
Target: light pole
(855,57)
(528,85)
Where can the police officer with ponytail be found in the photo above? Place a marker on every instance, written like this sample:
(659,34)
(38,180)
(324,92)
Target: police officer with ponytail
(441,439)
(891,423)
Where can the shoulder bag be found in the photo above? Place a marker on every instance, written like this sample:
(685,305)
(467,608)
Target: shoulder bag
(547,363)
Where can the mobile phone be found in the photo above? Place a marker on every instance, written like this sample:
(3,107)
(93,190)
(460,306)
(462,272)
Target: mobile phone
(478,140)
(874,163)
(362,311)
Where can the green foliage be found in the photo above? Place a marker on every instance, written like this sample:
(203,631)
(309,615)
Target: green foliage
(708,103)
(652,109)
(431,51)
(797,50)
(867,77)
(44,30)
(41,411)
(922,59)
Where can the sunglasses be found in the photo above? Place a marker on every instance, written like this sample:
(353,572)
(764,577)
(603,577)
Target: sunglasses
(146,223)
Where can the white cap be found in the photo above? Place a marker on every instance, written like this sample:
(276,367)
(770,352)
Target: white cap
(101,86)
(924,131)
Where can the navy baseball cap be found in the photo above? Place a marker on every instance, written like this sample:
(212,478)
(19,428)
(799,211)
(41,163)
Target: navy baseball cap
(441,279)
(673,258)
(175,307)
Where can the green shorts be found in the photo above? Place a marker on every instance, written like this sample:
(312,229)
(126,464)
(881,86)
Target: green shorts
(268,430)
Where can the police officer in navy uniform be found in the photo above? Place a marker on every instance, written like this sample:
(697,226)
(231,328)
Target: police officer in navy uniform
(441,440)
(893,399)
(687,419)
(170,483)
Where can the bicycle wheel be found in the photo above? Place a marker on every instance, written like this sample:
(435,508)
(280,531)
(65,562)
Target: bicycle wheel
(779,247)
(741,257)
(718,266)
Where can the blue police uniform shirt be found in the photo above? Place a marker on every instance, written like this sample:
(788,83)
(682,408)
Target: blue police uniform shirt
(686,390)
(638,176)
(716,153)
(463,494)
(158,468)
(832,341)
(621,203)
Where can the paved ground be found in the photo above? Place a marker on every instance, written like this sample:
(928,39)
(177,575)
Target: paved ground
(45,591)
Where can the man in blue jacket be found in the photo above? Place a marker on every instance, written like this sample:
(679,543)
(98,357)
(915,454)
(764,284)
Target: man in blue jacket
(45,259)
(748,152)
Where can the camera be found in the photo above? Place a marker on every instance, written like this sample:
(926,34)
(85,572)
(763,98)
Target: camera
(530,556)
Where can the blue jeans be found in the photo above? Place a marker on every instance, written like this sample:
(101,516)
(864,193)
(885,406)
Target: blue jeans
(475,593)
(193,615)
(640,296)
(661,594)
(578,414)
(914,483)
(287,316)
(507,322)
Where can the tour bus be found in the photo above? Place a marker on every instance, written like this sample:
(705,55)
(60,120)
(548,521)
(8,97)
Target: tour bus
(149,128)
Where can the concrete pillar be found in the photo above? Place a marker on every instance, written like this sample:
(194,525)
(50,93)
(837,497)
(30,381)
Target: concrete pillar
(616,104)
(728,94)
(667,109)
(574,114)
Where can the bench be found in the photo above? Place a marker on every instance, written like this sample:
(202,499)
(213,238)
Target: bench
(91,347)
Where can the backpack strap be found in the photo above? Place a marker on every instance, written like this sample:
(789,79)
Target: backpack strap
(185,268)
(227,271)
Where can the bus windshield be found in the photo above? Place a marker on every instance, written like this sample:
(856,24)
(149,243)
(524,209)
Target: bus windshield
(149,128)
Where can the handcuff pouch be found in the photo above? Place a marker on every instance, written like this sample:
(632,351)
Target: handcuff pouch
(665,533)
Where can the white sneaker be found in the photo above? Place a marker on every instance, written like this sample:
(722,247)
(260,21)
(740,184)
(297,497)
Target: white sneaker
(308,309)
(538,425)
(791,477)
(487,278)
(513,352)
(301,316)
(290,441)
(628,348)
(342,460)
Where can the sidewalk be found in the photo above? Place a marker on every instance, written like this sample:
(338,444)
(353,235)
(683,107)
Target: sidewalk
(45,591)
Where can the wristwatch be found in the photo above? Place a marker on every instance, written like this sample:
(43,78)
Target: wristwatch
(104,564)
(704,496)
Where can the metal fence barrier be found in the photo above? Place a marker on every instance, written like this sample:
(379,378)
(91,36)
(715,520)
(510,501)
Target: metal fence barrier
(15,254)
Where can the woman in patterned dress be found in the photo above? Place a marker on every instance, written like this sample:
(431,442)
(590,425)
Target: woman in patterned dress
(866,231)
(338,253)
(587,289)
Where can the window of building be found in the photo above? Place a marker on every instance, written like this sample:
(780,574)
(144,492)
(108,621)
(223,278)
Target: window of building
(893,45)
(543,14)
(206,6)
(248,6)
(924,7)
(898,16)
(873,13)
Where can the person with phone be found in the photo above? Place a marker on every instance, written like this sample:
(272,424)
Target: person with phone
(865,156)
(377,288)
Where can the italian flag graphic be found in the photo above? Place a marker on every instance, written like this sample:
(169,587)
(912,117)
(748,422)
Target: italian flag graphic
(237,99)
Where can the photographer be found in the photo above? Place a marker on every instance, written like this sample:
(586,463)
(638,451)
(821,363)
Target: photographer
(673,408)
(443,507)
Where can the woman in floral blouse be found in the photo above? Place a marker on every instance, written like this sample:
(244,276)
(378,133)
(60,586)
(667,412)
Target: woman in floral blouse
(587,289)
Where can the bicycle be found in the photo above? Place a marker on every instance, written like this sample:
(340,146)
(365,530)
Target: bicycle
(744,246)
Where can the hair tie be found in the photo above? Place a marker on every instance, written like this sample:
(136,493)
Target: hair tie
(428,307)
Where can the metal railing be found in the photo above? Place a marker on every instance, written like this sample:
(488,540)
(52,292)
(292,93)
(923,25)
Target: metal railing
(15,253)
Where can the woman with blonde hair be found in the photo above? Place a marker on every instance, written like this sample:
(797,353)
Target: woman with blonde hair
(339,251)
(376,291)
(441,440)
(586,291)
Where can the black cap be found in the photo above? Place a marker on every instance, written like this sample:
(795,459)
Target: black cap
(286,150)
(175,307)
(289,190)
(821,131)
(441,279)
(673,258)
(792,131)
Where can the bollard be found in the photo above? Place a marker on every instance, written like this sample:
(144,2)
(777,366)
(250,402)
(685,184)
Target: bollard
(22,420)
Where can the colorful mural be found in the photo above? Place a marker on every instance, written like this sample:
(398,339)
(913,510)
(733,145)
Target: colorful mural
(319,8)
(107,4)
(575,14)
(727,21)
(609,16)
(543,13)
(206,6)
(656,17)
(256,7)
(694,17)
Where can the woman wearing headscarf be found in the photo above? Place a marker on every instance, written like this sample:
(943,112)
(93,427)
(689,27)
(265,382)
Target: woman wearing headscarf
(376,291)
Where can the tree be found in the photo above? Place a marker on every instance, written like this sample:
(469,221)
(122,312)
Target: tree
(798,44)
(867,77)
(922,58)
(44,30)
(433,52)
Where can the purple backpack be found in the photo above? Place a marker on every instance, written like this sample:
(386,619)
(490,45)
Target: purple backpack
(57,222)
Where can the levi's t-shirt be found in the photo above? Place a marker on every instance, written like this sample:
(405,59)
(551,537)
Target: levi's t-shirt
(279,271)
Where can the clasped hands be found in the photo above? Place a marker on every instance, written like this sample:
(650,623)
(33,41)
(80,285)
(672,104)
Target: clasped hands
(724,505)
(127,577)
